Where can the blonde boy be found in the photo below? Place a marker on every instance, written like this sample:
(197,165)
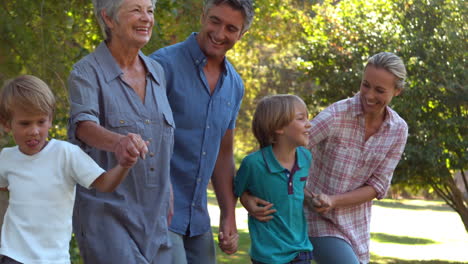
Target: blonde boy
(278,173)
(41,175)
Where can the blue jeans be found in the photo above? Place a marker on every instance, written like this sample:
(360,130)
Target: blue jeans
(328,250)
(301,258)
(193,250)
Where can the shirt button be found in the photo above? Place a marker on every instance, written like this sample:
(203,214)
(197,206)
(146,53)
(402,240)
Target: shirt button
(290,183)
(208,126)
(204,153)
(198,180)
(229,103)
(151,154)
(193,204)
(147,121)
(150,139)
(122,121)
(151,169)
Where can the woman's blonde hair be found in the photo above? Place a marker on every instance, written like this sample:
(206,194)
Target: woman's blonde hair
(391,63)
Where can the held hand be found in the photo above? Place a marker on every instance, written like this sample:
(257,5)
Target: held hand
(228,237)
(258,208)
(320,203)
(129,148)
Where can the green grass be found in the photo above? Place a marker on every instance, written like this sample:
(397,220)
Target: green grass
(402,232)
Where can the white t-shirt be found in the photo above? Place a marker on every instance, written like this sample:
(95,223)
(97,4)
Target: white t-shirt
(38,223)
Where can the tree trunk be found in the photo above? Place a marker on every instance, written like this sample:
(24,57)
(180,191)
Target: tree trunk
(458,202)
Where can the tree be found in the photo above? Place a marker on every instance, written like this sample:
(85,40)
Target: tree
(430,36)
(435,36)
(45,38)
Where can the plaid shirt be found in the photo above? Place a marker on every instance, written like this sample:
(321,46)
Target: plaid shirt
(344,161)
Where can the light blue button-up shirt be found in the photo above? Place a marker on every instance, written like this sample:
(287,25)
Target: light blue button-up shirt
(201,119)
(128,225)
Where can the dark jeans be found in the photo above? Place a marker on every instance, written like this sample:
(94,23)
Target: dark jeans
(7,260)
(301,258)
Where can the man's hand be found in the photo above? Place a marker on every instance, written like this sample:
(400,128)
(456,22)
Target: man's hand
(258,208)
(228,237)
(129,148)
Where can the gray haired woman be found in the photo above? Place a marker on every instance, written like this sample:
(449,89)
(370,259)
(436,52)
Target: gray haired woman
(120,113)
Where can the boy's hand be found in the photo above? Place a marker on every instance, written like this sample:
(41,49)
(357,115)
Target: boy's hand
(129,148)
(228,243)
(320,203)
(258,208)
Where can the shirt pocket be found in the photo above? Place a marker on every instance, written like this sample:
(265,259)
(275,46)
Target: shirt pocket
(122,123)
(222,113)
(344,161)
(158,168)
(169,126)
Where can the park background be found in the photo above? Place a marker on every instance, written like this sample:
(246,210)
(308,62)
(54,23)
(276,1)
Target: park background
(317,50)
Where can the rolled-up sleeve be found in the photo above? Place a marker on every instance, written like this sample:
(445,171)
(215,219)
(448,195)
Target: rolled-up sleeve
(382,176)
(84,100)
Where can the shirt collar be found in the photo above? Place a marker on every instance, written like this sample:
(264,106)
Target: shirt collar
(357,110)
(272,163)
(111,68)
(198,57)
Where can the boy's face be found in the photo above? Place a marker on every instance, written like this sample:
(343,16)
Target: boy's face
(30,131)
(296,133)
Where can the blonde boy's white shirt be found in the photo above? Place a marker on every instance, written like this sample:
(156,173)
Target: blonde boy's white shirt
(3,194)
(38,222)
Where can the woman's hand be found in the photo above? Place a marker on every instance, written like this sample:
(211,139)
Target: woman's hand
(129,148)
(320,203)
(258,208)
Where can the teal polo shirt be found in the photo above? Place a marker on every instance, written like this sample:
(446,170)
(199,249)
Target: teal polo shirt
(282,238)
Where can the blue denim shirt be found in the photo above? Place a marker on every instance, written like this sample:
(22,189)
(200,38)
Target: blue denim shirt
(201,119)
(128,225)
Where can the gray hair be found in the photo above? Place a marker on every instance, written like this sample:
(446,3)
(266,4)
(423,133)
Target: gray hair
(245,6)
(392,63)
(112,8)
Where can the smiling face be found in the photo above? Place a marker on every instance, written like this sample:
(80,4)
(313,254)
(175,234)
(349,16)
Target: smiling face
(30,131)
(134,24)
(221,29)
(377,90)
(296,133)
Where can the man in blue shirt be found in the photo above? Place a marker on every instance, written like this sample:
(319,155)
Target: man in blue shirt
(205,94)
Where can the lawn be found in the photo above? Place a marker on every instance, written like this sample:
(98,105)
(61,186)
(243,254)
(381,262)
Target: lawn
(402,232)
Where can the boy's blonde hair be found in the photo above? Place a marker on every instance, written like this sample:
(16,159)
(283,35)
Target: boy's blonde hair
(273,113)
(28,93)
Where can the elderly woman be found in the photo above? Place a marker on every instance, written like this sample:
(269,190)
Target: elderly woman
(356,144)
(119,113)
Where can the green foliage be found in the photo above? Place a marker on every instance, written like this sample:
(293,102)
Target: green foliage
(435,51)
(430,36)
(45,38)
(315,49)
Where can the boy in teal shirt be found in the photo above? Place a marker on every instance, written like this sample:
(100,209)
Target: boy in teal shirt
(278,173)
